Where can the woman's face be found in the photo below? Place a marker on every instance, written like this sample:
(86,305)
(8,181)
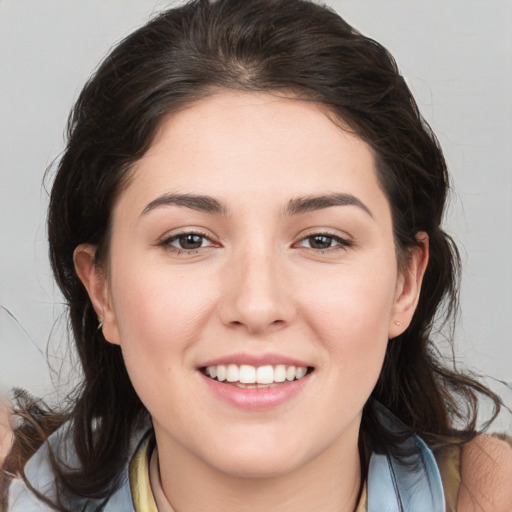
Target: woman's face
(254,243)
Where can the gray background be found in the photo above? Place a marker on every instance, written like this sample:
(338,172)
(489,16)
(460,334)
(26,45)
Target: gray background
(456,56)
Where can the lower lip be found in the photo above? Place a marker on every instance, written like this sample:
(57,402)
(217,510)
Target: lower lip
(256,399)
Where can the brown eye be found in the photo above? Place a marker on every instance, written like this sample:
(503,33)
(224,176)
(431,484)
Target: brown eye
(186,242)
(324,241)
(320,241)
(190,241)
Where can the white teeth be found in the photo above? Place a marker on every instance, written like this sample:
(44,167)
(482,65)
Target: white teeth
(265,375)
(290,373)
(221,372)
(300,372)
(247,374)
(280,373)
(232,373)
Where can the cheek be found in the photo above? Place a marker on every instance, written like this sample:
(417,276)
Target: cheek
(352,302)
(160,318)
(351,316)
(158,313)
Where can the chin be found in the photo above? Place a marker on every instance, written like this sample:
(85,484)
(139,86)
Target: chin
(258,461)
(259,468)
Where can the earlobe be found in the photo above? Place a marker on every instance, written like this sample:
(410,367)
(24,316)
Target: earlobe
(95,281)
(409,286)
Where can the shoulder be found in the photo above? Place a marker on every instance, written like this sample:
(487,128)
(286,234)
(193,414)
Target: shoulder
(486,475)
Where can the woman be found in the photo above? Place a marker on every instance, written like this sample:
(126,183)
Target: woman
(246,226)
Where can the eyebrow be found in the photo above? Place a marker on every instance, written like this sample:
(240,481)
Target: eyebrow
(311,203)
(295,206)
(195,202)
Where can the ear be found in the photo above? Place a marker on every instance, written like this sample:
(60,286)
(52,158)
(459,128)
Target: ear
(96,283)
(409,286)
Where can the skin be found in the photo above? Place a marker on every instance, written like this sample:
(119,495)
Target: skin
(256,286)
(486,473)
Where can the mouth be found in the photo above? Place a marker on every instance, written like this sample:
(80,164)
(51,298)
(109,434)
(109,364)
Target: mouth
(247,376)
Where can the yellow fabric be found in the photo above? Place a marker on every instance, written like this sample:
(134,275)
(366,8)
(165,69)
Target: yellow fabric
(142,496)
(448,462)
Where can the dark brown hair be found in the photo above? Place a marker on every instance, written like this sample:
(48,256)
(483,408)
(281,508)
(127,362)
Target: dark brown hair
(280,46)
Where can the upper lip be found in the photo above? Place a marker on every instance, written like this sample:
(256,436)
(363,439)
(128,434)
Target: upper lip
(255,360)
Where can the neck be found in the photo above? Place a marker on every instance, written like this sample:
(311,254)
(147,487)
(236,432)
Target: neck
(330,482)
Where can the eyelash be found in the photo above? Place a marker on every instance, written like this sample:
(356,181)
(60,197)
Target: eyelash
(340,242)
(167,242)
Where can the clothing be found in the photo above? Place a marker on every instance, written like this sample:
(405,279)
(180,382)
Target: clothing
(392,486)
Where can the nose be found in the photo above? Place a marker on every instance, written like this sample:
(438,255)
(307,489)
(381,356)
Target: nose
(257,294)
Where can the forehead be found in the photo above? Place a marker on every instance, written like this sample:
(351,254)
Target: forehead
(251,144)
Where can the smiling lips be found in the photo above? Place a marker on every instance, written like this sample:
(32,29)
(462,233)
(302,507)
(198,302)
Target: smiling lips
(245,375)
(256,382)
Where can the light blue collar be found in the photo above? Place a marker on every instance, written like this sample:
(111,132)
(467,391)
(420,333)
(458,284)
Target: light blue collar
(411,485)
